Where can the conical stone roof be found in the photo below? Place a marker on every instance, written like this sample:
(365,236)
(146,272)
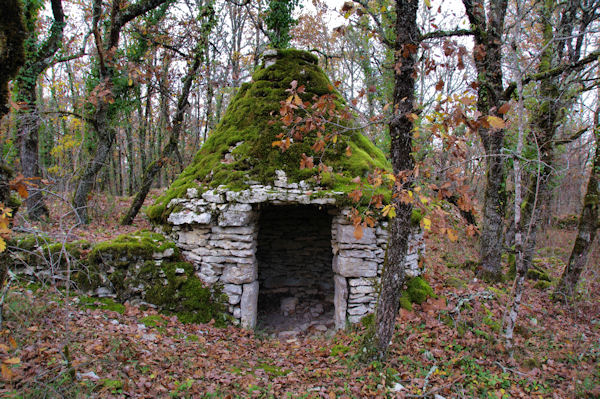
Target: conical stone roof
(240,151)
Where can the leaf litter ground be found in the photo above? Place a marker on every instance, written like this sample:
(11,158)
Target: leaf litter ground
(54,345)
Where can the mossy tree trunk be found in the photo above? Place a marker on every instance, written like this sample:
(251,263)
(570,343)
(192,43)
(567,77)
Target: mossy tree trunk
(12,53)
(182,103)
(401,131)
(107,43)
(12,57)
(488,32)
(586,229)
(39,56)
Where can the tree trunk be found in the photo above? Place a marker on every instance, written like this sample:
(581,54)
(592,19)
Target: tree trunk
(12,55)
(401,131)
(488,57)
(106,136)
(130,160)
(29,125)
(39,58)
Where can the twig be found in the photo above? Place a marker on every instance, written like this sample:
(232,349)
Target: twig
(429,373)
(5,289)
(505,369)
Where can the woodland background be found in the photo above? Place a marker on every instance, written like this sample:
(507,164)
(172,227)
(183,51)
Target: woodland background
(114,98)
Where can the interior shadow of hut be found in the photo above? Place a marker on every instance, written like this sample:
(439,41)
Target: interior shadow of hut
(295,273)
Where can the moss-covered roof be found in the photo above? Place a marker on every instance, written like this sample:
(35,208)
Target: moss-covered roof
(250,126)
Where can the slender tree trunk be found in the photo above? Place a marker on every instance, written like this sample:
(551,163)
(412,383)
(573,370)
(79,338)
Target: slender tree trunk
(513,308)
(130,160)
(401,131)
(146,118)
(106,137)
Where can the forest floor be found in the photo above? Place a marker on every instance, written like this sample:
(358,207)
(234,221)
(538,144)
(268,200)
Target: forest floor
(59,344)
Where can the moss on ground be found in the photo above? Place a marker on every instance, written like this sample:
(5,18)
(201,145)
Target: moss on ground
(535,272)
(250,126)
(417,291)
(101,303)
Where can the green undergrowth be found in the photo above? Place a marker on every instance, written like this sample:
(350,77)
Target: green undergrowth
(250,126)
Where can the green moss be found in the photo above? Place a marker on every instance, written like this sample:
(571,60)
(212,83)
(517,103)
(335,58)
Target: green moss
(482,334)
(39,250)
(29,242)
(491,323)
(339,349)
(247,132)
(14,203)
(512,268)
(101,303)
(368,320)
(535,273)
(114,386)
(405,303)
(192,338)
(153,320)
(123,249)
(184,294)
(417,291)
(455,282)
(416,217)
(542,284)
(274,371)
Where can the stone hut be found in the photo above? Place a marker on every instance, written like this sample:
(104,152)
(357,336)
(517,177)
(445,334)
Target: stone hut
(275,236)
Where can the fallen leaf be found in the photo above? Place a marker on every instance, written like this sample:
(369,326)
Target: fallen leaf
(495,122)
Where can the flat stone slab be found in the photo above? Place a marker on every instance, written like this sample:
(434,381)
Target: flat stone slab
(189,217)
(352,267)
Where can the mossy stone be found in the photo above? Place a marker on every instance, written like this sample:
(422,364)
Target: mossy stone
(142,244)
(251,124)
(184,294)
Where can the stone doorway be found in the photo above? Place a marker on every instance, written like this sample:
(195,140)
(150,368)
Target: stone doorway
(294,256)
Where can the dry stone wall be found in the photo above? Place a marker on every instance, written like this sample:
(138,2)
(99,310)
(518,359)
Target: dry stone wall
(218,232)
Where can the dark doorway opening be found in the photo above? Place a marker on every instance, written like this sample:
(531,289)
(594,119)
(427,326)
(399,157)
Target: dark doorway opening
(295,270)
